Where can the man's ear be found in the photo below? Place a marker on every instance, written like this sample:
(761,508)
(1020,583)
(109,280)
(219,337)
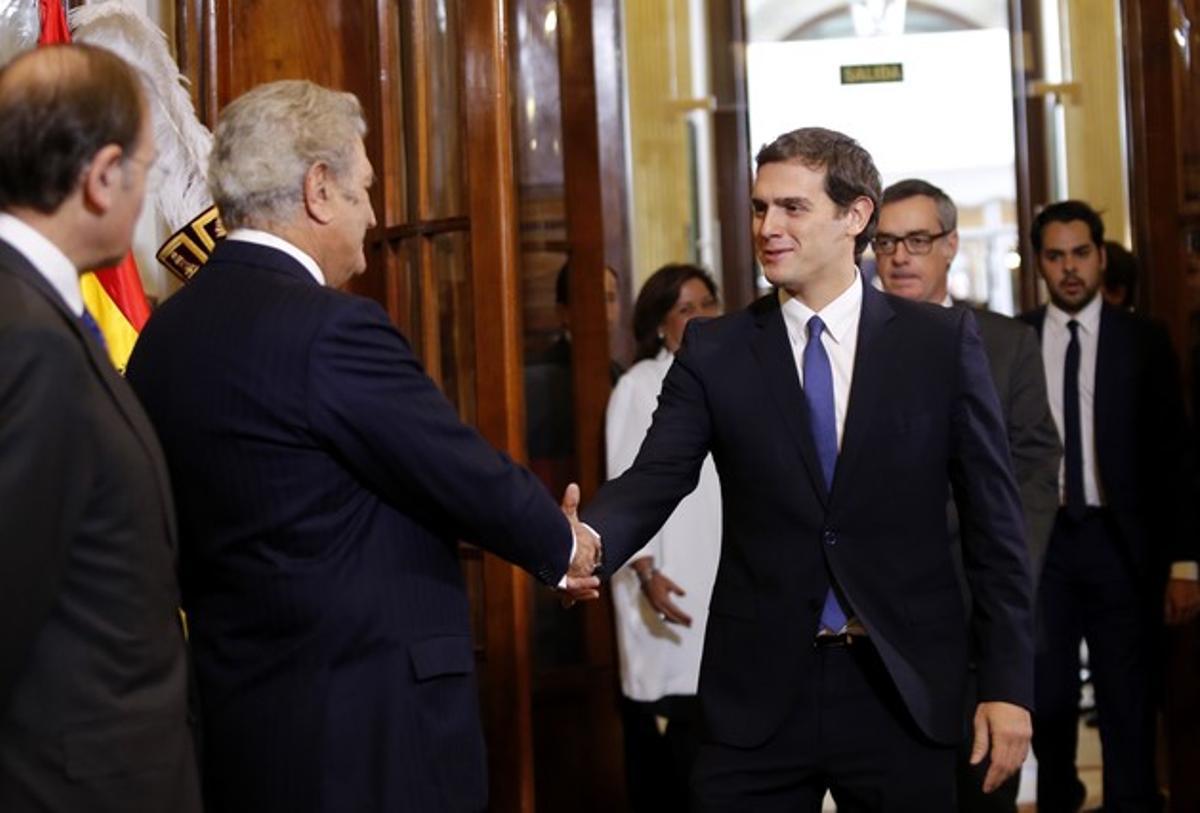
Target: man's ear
(952,245)
(102,179)
(858,215)
(318,192)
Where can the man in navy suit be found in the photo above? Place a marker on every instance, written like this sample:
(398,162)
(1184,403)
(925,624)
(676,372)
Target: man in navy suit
(839,419)
(1123,526)
(323,483)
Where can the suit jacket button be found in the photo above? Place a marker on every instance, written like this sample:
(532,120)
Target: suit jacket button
(829,537)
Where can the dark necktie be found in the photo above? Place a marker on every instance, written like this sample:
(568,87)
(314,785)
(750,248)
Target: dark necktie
(90,325)
(1072,428)
(818,393)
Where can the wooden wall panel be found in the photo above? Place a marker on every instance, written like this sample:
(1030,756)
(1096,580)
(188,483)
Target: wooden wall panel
(492,203)
(731,138)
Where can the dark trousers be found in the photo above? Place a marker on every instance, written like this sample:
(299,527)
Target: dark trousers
(658,764)
(851,736)
(1090,591)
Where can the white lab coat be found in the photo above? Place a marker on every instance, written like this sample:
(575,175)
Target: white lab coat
(660,659)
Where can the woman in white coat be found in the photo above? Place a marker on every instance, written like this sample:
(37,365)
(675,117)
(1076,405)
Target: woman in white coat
(661,596)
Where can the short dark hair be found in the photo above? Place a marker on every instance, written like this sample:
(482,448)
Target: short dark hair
(1121,272)
(562,283)
(658,295)
(1066,211)
(913,187)
(850,172)
(59,106)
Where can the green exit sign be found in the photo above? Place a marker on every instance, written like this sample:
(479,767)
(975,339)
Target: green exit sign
(866,74)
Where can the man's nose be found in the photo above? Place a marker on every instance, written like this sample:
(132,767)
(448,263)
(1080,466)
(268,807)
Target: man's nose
(768,222)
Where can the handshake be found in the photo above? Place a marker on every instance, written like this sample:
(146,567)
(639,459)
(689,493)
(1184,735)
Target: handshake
(580,583)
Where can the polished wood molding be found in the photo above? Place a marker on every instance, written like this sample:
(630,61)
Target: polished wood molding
(496,287)
(1154,182)
(586,216)
(1029,123)
(731,143)
(585,231)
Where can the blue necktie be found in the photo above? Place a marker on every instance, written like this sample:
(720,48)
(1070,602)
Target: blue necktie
(818,393)
(1072,429)
(89,323)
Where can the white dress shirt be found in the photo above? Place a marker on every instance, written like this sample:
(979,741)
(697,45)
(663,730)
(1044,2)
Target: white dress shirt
(840,339)
(1055,336)
(46,258)
(262,238)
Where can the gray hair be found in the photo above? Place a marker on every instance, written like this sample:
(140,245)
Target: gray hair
(947,212)
(266,141)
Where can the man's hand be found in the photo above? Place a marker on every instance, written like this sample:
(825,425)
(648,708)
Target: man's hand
(580,583)
(657,589)
(1003,730)
(1182,601)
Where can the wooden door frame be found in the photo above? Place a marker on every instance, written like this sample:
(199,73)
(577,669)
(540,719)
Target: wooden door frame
(496,284)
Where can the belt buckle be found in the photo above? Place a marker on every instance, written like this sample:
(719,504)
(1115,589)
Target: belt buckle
(832,639)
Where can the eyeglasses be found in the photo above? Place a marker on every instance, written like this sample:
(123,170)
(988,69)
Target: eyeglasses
(918,242)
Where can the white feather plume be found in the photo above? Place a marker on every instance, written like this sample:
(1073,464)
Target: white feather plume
(183,142)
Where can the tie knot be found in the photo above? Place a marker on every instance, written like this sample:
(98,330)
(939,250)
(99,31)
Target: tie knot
(815,327)
(1073,326)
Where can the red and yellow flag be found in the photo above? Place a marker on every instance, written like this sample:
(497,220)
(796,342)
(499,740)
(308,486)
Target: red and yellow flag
(114,296)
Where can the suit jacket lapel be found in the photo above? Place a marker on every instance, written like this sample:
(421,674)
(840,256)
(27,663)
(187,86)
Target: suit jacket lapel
(773,350)
(872,360)
(102,366)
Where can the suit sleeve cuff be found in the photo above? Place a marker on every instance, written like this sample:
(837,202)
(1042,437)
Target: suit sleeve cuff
(562,583)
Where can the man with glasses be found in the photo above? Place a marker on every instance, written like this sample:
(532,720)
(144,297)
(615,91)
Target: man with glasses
(915,244)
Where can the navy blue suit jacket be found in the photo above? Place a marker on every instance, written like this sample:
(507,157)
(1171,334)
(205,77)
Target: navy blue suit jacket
(922,416)
(1142,450)
(322,482)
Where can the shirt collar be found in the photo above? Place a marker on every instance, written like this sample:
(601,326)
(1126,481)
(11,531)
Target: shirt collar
(47,258)
(840,316)
(1088,318)
(276,242)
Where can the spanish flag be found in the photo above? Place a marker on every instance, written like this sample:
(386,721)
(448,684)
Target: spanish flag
(114,296)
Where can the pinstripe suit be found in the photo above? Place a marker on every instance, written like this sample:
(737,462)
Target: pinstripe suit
(323,483)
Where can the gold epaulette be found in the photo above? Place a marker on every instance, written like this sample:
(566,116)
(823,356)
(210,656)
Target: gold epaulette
(189,248)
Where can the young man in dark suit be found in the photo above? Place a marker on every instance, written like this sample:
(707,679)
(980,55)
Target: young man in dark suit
(93,666)
(1124,524)
(839,419)
(323,483)
(915,244)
